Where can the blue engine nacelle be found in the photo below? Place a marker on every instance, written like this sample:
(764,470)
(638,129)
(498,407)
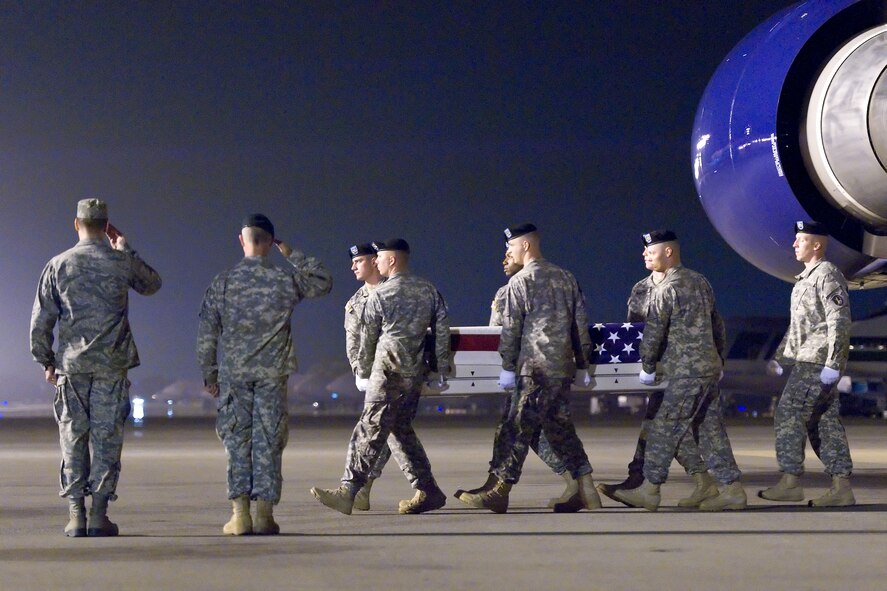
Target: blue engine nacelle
(792,126)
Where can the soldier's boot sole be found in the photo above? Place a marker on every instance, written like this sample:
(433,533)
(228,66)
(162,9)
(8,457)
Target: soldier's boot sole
(334,499)
(783,495)
(105,529)
(638,499)
(830,500)
(732,498)
(433,500)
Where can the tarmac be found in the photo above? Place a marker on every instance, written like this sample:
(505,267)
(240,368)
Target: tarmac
(173,503)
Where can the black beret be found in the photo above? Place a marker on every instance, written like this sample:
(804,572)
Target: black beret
(657,236)
(810,228)
(357,250)
(391,244)
(519,230)
(257,220)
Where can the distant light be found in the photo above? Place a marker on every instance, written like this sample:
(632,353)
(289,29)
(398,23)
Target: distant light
(741,408)
(316,405)
(169,402)
(5,403)
(138,409)
(334,395)
(169,412)
(440,409)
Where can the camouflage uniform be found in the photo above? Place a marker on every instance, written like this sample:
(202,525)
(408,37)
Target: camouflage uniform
(396,318)
(86,291)
(686,334)
(539,443)
(244,345)
(544,339)
(687,453)
(818,335)
(353,315)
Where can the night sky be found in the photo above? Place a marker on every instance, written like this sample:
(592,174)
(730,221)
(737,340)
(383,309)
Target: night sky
(347,123)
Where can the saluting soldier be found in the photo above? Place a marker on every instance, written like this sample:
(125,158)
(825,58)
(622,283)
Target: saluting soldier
(816,345)
(687,453)
(391,370)
(245,351)
(544,340)
(85,290)
(539,443)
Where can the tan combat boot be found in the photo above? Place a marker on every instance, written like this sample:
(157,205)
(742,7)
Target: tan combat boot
(730,498)
(839,495)
(787,489)
(76,527)
(586,497)
(571,490)
(240,523)
(646,496)
(341,499)
(99,524)
(424,500)
(264,524)
(496,499)
(634,480)
(488,485)
(706,488)
(362,498)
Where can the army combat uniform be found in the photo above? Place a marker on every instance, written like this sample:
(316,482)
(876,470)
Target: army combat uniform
(85,291)
(685,332)
(539,442)
(544,339)
(687,453)
(353,318)
(244,345)
(818,335)
(396,318)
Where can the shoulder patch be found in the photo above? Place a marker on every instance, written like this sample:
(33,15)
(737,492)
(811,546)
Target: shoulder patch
(838,299)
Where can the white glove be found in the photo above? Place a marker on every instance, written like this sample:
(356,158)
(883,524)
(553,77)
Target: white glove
(362,383)
(829,376)
(773,368)
(507,379)
(582,377)
(437,382)
(646,378)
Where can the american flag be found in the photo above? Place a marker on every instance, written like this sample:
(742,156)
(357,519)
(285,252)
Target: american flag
(616,343)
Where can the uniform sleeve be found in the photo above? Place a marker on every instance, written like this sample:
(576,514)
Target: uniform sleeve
(44,315)
(512,325)
(143,279)
(579,331)
(655,330)
(637,304)
(719,332)
(209,329)
(352,336)
(441,331)
(370,330)
(835,302)
(312,278)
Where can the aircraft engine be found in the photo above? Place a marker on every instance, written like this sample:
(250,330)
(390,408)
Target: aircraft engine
(792,126)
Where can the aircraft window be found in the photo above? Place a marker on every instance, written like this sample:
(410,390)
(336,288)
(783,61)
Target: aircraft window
(868,349)
(748,345)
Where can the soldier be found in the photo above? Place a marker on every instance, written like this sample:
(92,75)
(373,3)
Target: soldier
(363,265)
(85,291)
(685,332)
(817,344)
(391,370)
(544,339)
(687,453)
(539,443)
(245,351)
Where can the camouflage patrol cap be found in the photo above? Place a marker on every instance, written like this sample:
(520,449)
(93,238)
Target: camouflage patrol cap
(392,244)
(357,250)
(518,230)
(92,209)
(258,220)
(810,228)
(657,236)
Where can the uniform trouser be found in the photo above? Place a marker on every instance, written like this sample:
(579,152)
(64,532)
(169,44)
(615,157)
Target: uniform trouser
(91,410)
(390,407)
(807,408)
(539,442)
(381,461)
(540,403)
(687,453)
(691,407)
(253,424)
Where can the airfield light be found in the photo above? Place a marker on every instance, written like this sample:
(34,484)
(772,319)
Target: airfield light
(316,405)
(138,410)
(334,395)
